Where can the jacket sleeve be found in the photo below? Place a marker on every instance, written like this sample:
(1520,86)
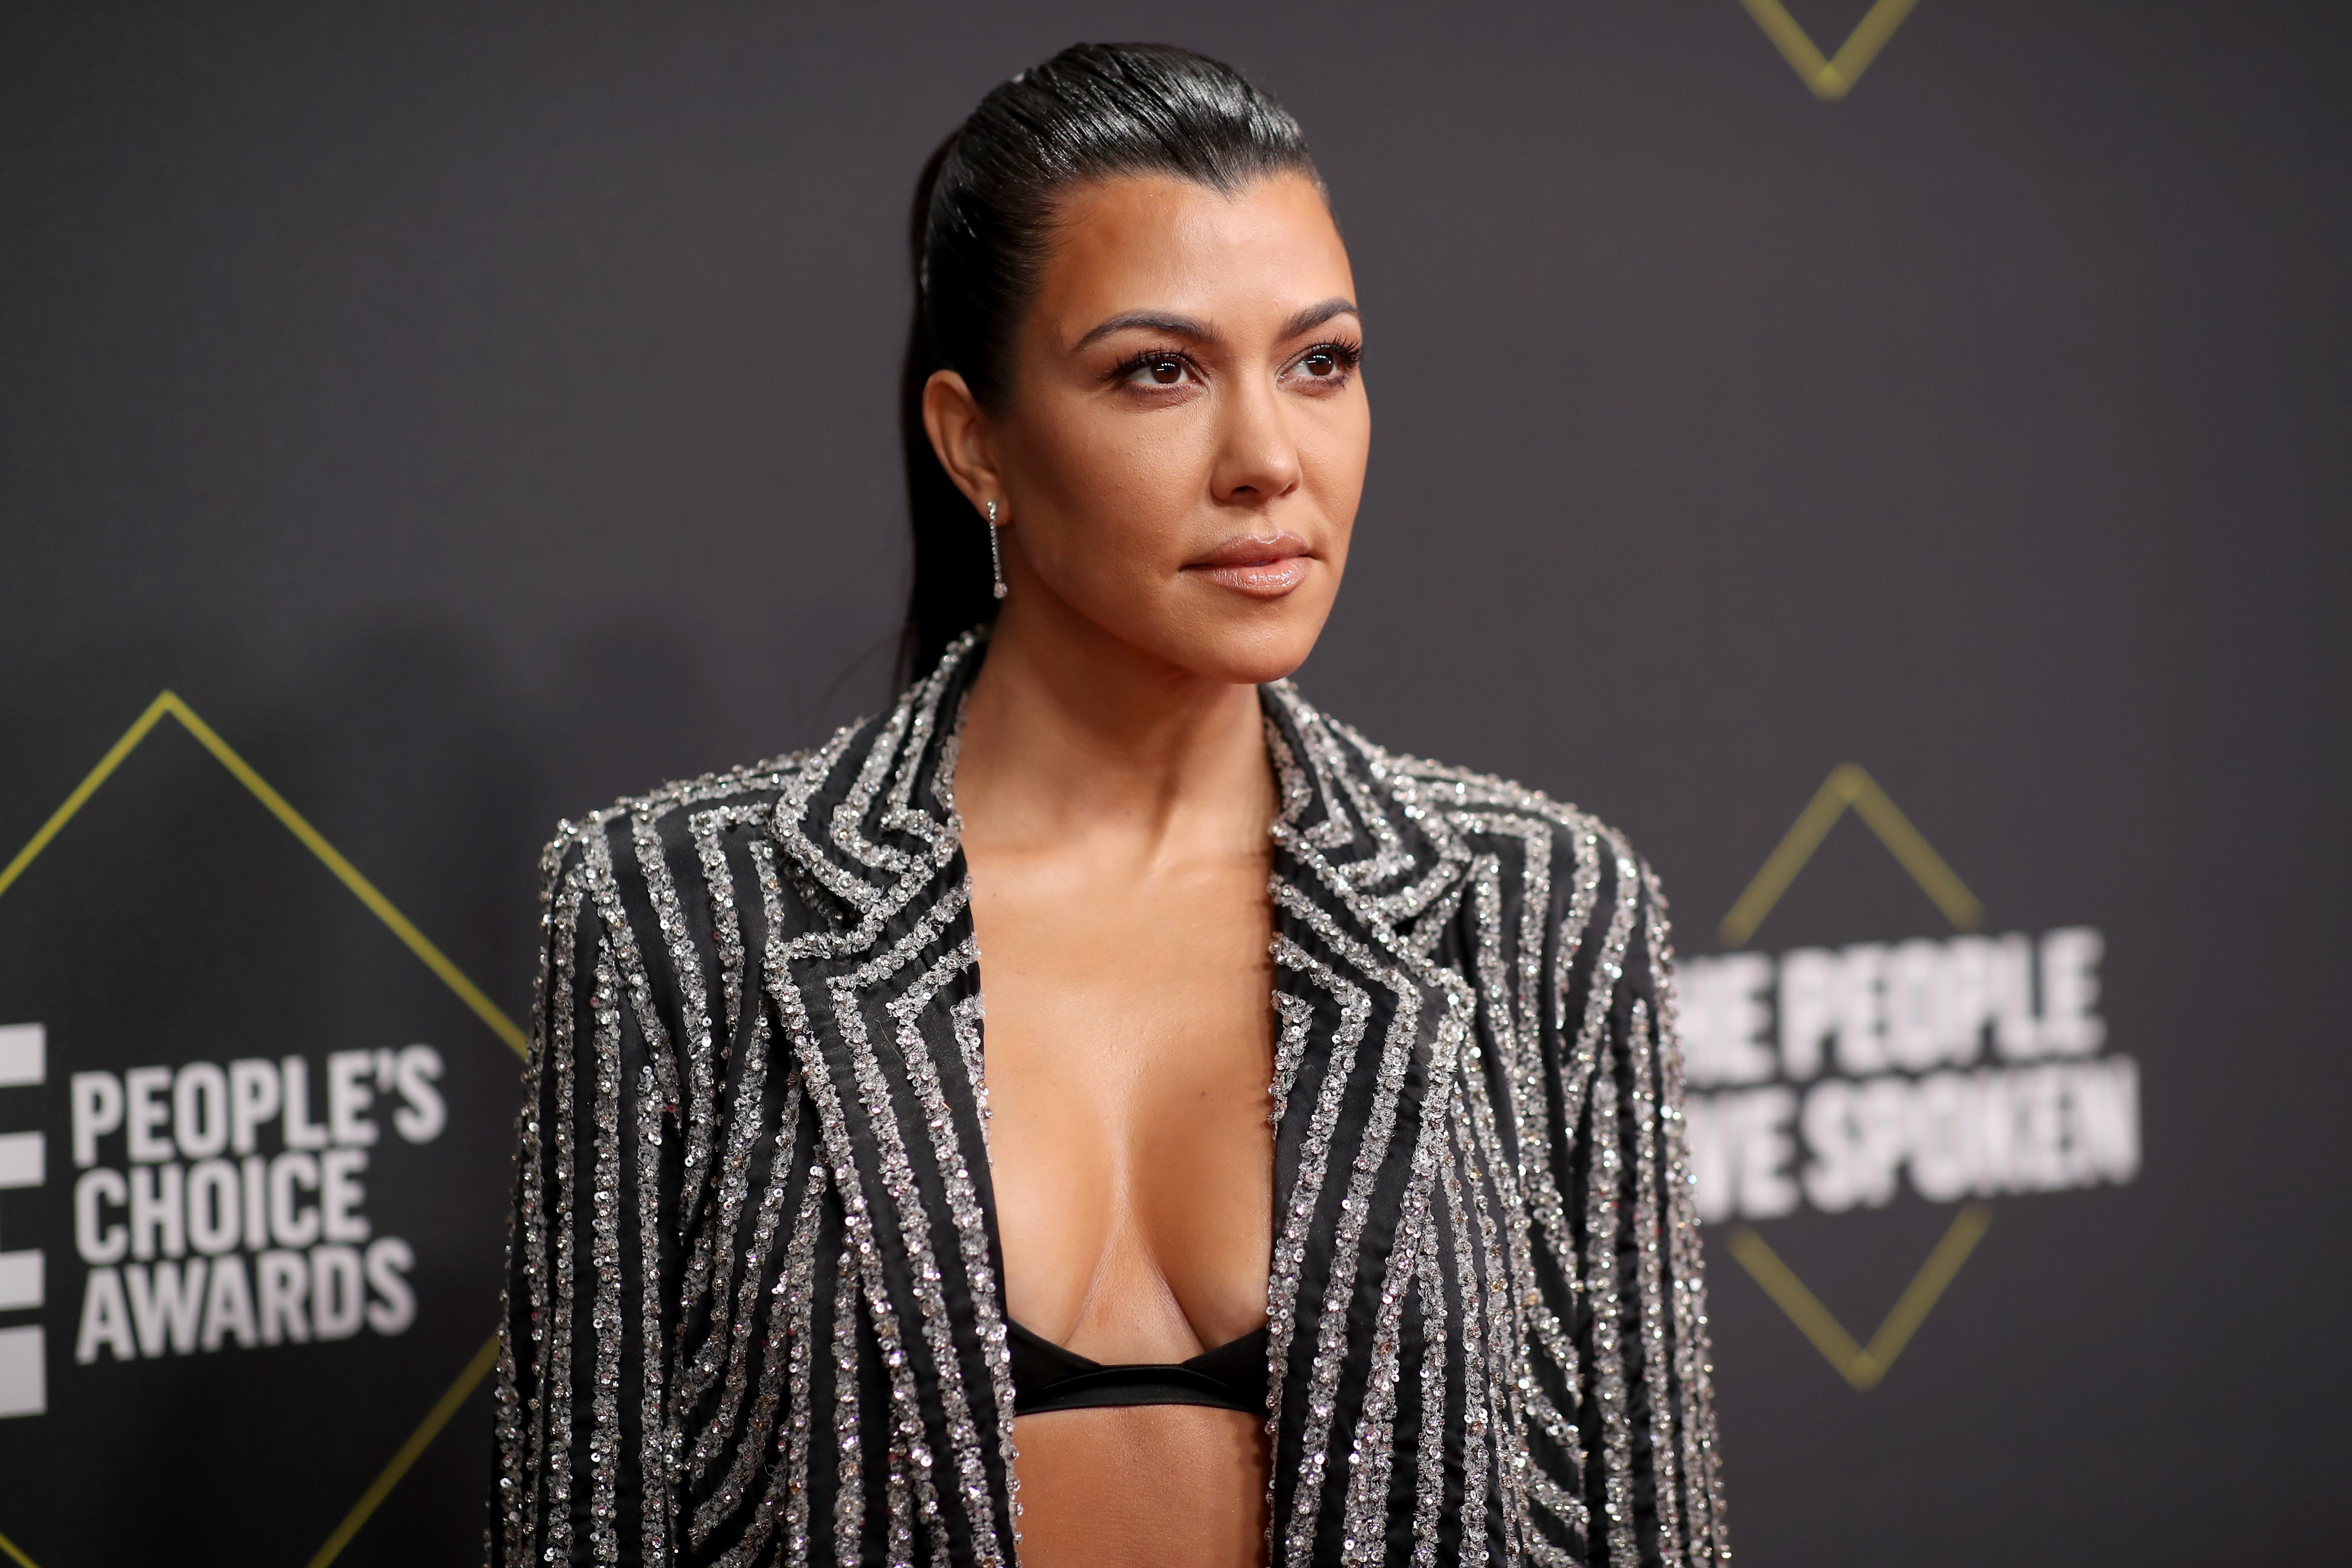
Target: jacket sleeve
(1631,1292)
(589,1262)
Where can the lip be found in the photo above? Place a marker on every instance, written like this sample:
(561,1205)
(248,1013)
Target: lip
(1260,567)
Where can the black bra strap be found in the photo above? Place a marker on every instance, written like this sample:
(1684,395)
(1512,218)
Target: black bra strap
(1046,1376)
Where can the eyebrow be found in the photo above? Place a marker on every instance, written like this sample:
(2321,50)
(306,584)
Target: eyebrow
(1314,316)
(1175,325)
(1305,320)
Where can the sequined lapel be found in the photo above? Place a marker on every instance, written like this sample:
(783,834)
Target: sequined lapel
(881,1004)
(1372,1025)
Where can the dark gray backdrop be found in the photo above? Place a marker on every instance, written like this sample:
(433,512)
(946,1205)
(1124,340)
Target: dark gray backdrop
(474,416)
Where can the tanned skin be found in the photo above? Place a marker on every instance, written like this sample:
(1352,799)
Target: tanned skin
(1177,462)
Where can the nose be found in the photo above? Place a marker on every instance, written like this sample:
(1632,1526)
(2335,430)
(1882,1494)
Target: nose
(1257,460)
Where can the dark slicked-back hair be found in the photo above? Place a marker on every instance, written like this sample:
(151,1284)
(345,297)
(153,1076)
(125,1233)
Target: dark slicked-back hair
(983,215)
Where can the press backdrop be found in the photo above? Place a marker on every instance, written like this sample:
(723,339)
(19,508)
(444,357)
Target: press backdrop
(473,415)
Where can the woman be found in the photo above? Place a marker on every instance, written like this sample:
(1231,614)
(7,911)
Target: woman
(1314,1191)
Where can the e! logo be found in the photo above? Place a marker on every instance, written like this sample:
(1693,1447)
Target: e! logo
(24,1163)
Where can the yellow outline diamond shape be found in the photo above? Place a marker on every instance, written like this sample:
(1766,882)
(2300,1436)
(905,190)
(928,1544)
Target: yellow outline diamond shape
(169,703)
(1848,786)
(1833,77)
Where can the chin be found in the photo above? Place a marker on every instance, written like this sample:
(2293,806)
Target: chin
(1249,654)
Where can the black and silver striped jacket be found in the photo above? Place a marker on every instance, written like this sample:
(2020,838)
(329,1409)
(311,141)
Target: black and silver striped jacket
(753,1308)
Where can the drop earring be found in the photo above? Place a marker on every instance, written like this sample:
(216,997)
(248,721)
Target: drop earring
(995,558)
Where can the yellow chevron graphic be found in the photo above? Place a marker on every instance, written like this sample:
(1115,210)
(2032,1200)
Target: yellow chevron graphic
(168,704)
(1832,78)
(1848,786)
(1863,1365)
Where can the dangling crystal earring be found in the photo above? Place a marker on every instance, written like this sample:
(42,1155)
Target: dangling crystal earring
(995,558)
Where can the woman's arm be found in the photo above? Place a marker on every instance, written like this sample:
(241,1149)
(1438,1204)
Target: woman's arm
(587,1267)
(1637,1305)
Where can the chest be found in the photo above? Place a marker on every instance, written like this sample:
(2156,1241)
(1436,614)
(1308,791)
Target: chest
(1128,1050)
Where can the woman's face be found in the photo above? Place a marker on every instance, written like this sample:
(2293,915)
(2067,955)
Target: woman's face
(1181,448)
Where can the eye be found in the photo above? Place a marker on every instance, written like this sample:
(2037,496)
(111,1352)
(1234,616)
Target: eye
(1327,364)
(1155,368)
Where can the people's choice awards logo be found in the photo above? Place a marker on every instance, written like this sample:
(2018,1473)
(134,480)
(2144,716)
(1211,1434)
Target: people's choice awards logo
(212,1156)
(1829,1078)
(207,1236)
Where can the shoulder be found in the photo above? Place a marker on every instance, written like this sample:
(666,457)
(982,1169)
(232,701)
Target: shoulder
(1441,798)
(825,827)
(686,819)
(1533,848)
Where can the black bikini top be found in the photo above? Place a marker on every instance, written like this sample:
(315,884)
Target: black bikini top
(1047,1377)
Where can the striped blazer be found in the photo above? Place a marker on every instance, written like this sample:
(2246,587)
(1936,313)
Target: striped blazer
(753,1313)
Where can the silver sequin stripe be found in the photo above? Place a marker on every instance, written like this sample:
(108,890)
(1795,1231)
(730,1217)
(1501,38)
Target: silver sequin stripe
(1290,1044)
(972,1244)
(1527,1069)
(1518,1045)
(925,1271)
(788,825)
(1544,1215)
(1519,997)
(1447,850)
(966,1019)
(849,1454)
(1285,1279)
(775,982)
(699,1113)
(1650,1275)
(727,1333)
(1512,1301)
(1371,1155)
(1368,1465)
(909,1448)
(560,1376)
(657,1093)
(1602,1211)
(861,1258)
(707,829)
(787,1355)
(719,1433)
(701,1109)
(873,908)
(549,1412)
(711,1261)
(657,1431)
(799,1290)
(1309,789)
(1480,1332)
(1584,1059)
(1547,1206)
(1693,1370)
(1497,1318)
(1436,1359)
(604,1224)
(911,1456)
(895,758)
(1373,1436)
(1334,788)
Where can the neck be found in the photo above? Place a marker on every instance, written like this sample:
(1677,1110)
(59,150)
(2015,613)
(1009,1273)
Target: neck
(1070,732)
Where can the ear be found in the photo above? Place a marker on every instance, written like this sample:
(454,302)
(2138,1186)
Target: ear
(961,437)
